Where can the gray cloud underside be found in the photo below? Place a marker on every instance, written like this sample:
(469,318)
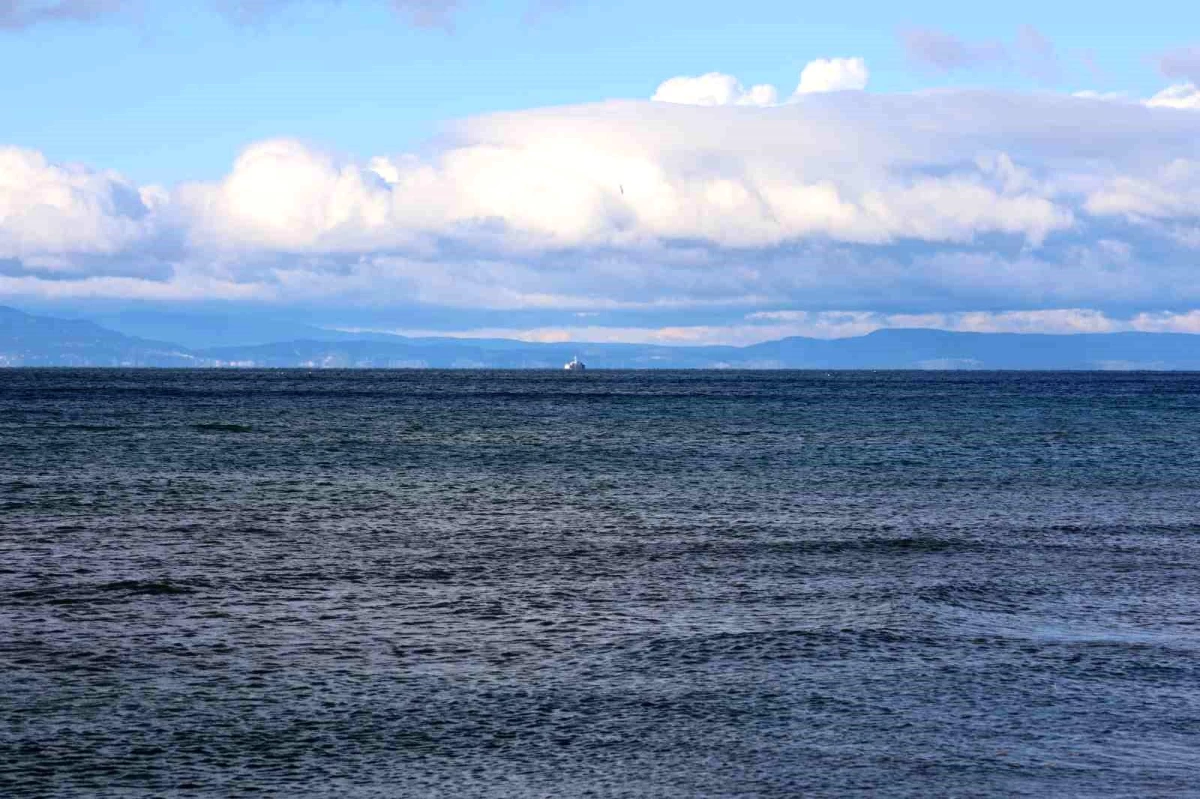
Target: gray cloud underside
(420,13)
(17,14)
(939,200)
(939,50)
(1031,52)
(1182,63)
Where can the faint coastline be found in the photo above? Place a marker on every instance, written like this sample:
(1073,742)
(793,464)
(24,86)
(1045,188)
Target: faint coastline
(27,340)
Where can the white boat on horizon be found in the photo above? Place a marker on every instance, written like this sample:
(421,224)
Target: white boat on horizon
(575,365)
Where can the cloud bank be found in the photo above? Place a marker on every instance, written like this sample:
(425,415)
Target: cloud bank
(938,202)
(757,327)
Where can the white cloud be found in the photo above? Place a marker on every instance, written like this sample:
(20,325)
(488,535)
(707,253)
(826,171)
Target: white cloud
(617,175)
(1092,94)
(186,285)
(772,325)
(282,195)
(1166,322)
(833,75)
(840,324)
(717,88)
(671,335)
(541,190)
(1170,192)
(49,210)
(1181,95)
(983,198)
(712,89)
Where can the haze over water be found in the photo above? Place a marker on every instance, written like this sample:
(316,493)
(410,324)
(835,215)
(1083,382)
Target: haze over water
(527,584)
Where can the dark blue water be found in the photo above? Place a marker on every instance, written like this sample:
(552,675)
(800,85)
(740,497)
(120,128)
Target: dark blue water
(455,584)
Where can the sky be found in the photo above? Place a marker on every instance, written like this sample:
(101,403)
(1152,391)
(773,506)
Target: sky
(573,170)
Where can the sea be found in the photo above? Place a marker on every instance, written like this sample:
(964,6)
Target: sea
(605,584)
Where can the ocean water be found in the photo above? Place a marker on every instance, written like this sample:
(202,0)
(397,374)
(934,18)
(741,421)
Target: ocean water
(625,584)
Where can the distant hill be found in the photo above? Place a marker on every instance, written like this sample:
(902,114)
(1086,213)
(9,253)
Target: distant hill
(196,329)
(29,340)
(941,349)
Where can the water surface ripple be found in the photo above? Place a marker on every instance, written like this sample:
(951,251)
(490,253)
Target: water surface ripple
(626,584)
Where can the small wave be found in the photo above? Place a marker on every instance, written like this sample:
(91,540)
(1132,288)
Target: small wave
(435,575)
(221,427)
(154,587)
(980,596)
(99,592)
(833,546)
(912,544)
(86,428)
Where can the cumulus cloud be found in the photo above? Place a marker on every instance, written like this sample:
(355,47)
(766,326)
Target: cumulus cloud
(284,196)
(1181,95)
(717,88)
(615,175)
(714,88)
(982,198)
(832,75)
(50,212)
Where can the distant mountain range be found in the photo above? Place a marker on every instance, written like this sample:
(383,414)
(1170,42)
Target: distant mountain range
(29,340)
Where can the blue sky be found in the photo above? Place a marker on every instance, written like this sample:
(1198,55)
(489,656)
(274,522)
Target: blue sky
(183,153)
(169,92)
